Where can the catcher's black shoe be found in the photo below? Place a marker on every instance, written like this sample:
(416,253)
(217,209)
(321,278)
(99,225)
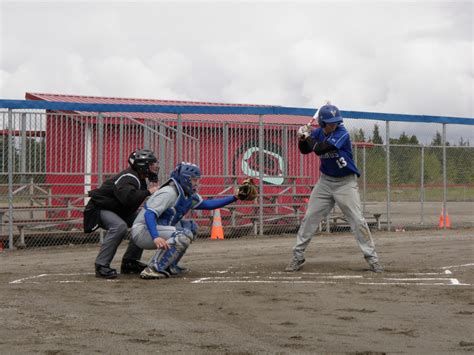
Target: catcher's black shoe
(105,272)
(132,266)
(176,270)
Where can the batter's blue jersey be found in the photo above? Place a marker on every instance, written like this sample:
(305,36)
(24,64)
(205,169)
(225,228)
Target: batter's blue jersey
(337,162)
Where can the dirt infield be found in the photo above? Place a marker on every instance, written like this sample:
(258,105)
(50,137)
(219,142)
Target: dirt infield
(237,300)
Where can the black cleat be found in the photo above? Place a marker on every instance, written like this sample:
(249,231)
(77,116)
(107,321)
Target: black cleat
(376,267)
(132,266)
(176,270)
(105,272)
(295,265)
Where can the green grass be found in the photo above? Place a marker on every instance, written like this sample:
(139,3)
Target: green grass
(402,193)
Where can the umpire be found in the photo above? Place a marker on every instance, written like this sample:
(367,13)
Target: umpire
(337,184)
(113,206)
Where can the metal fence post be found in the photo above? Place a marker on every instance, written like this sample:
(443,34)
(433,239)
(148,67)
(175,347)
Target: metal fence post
(387,145)
(445,182)
(23,149)
(100,157)
(161,143)
(100,149)
(356,153)
(285,151)
(179,140)
(422,183)
(10,178)
(146,135)
(226,151)
(121,124)
(364,181)
(261,169)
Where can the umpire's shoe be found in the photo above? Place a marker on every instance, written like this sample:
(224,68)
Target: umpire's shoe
(130,266)
(105,272)
(295,265)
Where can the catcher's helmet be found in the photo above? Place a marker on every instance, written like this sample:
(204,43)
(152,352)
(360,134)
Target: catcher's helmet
(140,161)
(183,174)
(328,114)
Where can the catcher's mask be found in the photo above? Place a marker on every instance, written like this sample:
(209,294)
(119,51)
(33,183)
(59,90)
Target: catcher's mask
(187,175)
(328,114)
(141,161)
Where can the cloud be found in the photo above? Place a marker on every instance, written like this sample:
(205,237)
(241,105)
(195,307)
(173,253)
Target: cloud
(359,55)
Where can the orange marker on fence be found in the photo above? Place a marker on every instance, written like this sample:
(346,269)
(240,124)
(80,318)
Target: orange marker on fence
(217,232)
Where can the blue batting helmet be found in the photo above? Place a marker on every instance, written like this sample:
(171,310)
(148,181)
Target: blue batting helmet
(183,174)
(328,114)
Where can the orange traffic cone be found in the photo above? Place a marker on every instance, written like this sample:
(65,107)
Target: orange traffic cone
(217,232)
(442,222)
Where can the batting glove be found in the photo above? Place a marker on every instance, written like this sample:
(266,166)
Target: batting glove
(303,132)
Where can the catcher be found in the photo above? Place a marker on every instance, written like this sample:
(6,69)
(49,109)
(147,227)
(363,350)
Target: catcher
(159,225)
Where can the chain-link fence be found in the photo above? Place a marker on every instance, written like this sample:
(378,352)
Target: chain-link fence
(50,160)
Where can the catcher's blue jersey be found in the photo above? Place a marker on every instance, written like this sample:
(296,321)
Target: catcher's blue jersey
(339,162)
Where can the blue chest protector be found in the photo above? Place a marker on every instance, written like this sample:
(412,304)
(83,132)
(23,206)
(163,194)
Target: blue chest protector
(183,204)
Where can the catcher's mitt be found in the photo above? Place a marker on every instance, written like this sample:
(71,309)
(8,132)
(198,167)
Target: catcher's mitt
(248,191)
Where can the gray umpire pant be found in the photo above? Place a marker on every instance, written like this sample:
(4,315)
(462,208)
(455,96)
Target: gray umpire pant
(345,192)
(116,230)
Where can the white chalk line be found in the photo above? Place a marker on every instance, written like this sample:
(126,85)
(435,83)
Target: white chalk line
(457,266)
(450,282)
(210,280)
(19,281)
(254,278)
(434,281)
(321,273)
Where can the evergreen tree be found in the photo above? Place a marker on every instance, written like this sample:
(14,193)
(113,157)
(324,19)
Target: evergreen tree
(463,143)
(376,138)
(357,135)
(414,140)
(437,139)
(403,138)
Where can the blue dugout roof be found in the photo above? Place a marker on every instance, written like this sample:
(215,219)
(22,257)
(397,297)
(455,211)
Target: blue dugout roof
(223,110)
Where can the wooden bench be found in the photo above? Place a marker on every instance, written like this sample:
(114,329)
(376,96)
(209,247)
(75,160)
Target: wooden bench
(269,218)
(42,224)
(339,218)
(334,219)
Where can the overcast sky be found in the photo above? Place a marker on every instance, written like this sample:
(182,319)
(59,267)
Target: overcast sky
(413,57)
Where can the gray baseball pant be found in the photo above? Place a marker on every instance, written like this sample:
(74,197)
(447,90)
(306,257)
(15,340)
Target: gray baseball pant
(116,230)
(343,191)
(142,237)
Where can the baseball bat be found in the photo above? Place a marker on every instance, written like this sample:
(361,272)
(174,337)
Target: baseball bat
(310,123)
